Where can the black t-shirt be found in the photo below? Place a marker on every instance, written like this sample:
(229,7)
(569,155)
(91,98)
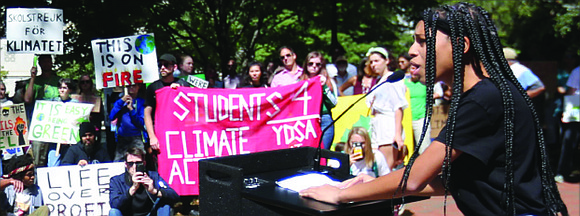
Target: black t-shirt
(150,97)
(478,175)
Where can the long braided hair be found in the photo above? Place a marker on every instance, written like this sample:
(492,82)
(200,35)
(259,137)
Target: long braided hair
(467,20)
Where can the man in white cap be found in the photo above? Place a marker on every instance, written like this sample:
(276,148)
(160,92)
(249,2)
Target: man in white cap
(529,81)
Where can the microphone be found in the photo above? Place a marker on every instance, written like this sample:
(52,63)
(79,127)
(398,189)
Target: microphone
(394,77)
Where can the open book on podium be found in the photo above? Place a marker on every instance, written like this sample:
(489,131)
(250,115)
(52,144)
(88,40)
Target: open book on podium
(247,185)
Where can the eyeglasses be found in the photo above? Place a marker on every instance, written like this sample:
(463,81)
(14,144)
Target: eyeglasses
(134,163)
(285,56)
(310,64)
(165,64)
(357,143)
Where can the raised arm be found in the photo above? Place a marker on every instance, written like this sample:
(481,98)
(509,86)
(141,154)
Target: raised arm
(29,94)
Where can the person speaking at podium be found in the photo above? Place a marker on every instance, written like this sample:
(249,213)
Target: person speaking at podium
(491,153)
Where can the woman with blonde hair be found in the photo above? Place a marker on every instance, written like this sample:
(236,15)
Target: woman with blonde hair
(363,159)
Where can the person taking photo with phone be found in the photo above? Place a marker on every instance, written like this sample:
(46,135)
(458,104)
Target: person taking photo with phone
(139,191)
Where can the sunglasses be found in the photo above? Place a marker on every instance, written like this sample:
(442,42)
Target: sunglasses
(357,143)
(310,64)
(165,64)
(85,81)
(286,56)
(134,163)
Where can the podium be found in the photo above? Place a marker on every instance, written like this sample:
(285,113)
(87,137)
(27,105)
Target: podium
(246,185)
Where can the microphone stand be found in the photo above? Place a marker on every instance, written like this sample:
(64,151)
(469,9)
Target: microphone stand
(395,77)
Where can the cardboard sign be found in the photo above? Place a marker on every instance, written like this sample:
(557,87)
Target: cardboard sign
(193,124)
(438,119)
(13,127)
(78,190)
(125,61)
(92,99)
(58,122)
(34,30)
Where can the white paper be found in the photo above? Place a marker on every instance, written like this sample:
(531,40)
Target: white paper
(571,109)
(304,181)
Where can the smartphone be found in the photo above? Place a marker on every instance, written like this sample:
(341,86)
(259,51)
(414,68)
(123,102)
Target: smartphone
(357,151)
(140,168)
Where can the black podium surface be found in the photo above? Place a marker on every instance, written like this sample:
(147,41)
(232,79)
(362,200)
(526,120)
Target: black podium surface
(246,185)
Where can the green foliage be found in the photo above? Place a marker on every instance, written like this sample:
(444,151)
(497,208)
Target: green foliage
(3,74)
(213,31)
(544,30)
(76,70)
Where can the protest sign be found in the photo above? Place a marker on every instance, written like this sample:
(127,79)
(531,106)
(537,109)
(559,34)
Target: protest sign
(360,116)
(438,119)
(357,116)
(193,124)
(34,30)
(7,154)
(195,81)
(13,127)
(125,61)
(78,190)
(58,122)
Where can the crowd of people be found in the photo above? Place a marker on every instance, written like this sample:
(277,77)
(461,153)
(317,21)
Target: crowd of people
(475,89)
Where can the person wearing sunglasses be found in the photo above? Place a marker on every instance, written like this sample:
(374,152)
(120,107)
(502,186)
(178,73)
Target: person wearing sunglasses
(315,65)
(88,94)
(291,72)
(167,64)
(128,112)
(139,191)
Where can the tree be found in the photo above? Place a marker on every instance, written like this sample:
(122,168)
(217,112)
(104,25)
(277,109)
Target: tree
(213,31)
(543,30)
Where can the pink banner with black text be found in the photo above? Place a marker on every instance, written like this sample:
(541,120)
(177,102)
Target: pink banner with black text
(193,124)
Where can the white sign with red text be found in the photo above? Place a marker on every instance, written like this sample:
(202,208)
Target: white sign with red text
(125,61)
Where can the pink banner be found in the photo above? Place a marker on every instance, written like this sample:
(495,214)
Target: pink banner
(193,124)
